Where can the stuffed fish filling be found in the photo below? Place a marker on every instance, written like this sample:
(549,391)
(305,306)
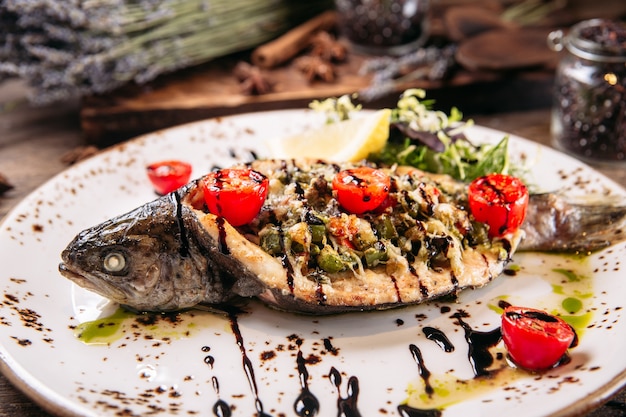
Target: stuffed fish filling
(422,220)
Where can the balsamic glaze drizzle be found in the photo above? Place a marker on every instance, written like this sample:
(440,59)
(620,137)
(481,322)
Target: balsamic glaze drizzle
(247,365)
(430,205)
(319,293)
(306,405)
(395,286)
(346,406)
(184,243)
(423,372)
(439,338)
(220,408)
(285,262)
(329,347)
(479,343)
(455,281)
(208,359)
(222,245)
(423,289)
(406,411)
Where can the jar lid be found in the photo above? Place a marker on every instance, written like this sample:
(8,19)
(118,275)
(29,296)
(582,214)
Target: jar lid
(595,39)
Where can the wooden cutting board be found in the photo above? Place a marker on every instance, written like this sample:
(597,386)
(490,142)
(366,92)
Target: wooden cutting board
(211,90)
(498,72)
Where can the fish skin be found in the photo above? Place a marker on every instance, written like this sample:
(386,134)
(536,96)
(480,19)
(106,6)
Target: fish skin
(178,256)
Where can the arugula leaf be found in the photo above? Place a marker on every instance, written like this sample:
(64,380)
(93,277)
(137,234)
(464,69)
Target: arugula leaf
(493,159)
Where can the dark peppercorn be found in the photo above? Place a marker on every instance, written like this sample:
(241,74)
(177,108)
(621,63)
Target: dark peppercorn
(384,26)
(589,117)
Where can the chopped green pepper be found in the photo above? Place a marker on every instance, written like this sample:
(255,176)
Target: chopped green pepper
(318,233)
(375,254)
(297,247)
(270,241)
(386,229)
(329,260)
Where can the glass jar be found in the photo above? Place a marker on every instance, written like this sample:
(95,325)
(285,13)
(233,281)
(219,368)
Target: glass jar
(384,27)
(589,110)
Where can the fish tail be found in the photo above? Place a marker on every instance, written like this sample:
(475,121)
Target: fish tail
(556,224)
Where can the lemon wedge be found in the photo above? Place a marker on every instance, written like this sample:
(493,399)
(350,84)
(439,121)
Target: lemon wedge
(349,140)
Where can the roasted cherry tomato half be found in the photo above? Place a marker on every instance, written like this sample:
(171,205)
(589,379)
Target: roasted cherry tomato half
(535,339)
(500,201)
(361,189)
(168,176)
(237,195)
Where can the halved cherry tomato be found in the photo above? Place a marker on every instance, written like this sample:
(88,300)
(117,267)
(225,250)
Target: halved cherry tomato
(235,194)
(361,189)
(500,201)
(535,339)
(168,176)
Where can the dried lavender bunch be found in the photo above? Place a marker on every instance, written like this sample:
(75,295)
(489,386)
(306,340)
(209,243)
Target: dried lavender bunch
(71,48)
(9,47)
(431,63)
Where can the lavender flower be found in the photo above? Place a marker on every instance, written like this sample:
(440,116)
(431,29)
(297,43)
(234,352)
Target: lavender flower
(431,63)
(72,48)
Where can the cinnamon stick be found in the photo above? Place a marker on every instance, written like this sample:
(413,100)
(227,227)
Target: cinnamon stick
(282,49)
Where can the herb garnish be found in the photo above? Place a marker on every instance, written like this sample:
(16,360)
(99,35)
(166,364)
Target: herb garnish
(428,139)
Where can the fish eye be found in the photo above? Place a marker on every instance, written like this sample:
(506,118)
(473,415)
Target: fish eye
(114,262)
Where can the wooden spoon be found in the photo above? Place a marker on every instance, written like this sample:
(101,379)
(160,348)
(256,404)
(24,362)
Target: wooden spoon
(504,49)
(462,22)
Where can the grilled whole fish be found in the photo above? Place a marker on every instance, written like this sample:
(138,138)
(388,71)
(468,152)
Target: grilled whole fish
(172,254)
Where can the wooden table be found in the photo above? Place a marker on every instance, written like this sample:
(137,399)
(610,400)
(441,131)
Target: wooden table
(33,141)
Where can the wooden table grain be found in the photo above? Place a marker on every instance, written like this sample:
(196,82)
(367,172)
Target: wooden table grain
(34,140)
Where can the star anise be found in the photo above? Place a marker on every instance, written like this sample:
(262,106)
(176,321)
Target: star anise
(315,67)
(324,45)
(251,79)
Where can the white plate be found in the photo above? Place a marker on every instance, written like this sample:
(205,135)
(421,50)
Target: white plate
(186,367)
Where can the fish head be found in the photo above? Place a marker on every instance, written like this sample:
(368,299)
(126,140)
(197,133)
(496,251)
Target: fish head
(131,259)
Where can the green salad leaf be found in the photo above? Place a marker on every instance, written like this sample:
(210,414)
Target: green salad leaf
(461,159)
(428,139)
